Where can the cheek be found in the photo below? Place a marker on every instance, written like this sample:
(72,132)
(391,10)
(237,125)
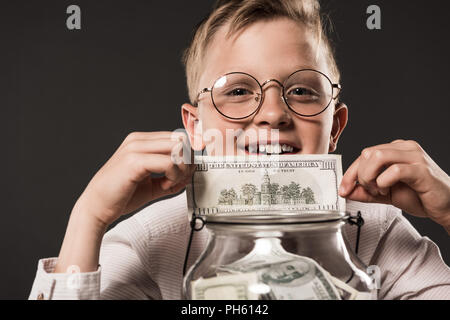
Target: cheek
(214,131)
(315,134)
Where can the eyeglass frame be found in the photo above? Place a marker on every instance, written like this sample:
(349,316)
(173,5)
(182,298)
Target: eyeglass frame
(333,86)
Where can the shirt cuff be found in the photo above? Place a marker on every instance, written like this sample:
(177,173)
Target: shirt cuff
(72,285)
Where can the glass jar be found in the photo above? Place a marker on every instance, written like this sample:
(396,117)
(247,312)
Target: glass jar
(295,258)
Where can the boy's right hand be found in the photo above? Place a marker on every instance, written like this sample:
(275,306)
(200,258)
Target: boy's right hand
(124,183)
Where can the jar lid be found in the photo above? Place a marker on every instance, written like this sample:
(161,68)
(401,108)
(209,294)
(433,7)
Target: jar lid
(276,217)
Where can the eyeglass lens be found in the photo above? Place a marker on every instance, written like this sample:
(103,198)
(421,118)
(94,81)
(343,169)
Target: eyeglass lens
(238,95)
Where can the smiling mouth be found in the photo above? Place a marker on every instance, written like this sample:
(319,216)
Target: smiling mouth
(271,149)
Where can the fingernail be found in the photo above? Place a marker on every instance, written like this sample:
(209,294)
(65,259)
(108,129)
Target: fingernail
(342,190)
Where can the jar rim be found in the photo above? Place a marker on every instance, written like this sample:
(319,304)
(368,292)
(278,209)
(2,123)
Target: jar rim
(278,217)
(260,229)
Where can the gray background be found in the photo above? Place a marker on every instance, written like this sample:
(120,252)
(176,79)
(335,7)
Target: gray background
(69,98)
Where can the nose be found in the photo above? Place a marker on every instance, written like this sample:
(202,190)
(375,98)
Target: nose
(273,112)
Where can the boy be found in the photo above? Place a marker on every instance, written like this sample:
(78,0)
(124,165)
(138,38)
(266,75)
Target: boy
(263,46)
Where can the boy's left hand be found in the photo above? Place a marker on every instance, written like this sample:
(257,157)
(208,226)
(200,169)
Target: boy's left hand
(402,174)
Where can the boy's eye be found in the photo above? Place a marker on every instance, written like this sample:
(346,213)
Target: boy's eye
(238,92)
(300,91)
(303,95)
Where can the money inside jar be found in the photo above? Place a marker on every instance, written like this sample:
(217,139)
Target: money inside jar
(268,272)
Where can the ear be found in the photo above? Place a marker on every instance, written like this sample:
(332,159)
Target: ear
(193,126)
(340,119)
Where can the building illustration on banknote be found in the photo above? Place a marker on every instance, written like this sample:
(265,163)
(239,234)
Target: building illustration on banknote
(293,184)
(268,194)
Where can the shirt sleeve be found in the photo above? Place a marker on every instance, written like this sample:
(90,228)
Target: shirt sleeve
(64,286)
(411,265)
(122,273)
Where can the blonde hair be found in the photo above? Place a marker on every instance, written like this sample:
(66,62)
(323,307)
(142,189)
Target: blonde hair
(240,14)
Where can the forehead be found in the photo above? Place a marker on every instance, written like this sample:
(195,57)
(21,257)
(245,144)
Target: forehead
(266,49)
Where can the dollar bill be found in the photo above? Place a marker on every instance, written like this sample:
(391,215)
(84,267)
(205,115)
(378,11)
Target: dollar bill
(269,272)
(265,184)
(268,257)
(298,279)
(289,276)
(266,252)
(349,293)
(225,287)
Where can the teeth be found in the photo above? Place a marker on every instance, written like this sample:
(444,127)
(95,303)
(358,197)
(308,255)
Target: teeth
(272,149)
(276,148)
(252,148)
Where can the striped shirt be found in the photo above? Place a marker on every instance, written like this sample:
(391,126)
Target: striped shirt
(142,257)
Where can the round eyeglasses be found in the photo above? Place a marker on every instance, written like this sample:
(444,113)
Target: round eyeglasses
(238,95)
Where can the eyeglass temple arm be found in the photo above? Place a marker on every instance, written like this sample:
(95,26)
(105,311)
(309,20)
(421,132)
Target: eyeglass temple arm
(204,90)
(337,86)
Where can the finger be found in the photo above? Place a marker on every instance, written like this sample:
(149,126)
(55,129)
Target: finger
(397,144)
(169,135)
(163,146)
(398,141)
(360,194)
(155,190)
(406,182)
(410,174)
(142,165)
(151,189)
(349,179)
(372,166)
(153,135)
(182,153)
(351,175)
(406,145)
(165,186)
